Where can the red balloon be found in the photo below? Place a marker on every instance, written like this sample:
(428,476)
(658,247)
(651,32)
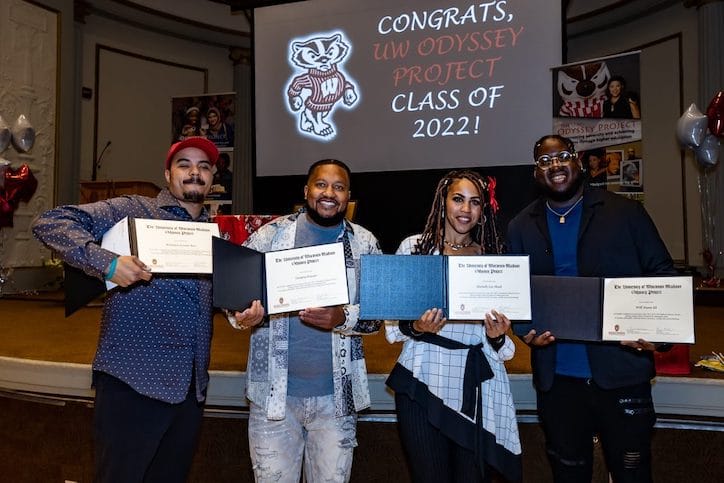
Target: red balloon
(715,113)
(20,185)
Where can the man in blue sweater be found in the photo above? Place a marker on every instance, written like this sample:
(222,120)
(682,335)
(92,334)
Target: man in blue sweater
(585,388)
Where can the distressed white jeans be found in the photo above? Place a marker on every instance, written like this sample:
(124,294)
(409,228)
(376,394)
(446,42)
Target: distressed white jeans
(309,432)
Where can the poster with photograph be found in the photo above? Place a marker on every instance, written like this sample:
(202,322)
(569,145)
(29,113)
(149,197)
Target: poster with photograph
(208,115)
(223,180)
(596,103)
(616,168)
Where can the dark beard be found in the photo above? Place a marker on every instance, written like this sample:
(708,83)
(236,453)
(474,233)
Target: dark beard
(194,196)
(321,221)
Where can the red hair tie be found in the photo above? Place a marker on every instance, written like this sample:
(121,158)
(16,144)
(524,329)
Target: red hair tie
(494,206)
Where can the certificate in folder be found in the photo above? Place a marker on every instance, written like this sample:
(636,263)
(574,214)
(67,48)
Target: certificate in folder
(568,307)
(402,287)
(165,246)
(656,309)
(285,280)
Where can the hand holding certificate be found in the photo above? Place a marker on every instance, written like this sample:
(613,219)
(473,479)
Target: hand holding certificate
(401,287)
(653,309)
(313,276)
(285,281)
(164,246)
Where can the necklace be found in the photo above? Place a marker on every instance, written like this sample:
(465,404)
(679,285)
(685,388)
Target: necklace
(458,246)
(562,216)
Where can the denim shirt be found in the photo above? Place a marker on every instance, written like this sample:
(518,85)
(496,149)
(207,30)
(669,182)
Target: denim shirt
(267,368)
(155,334)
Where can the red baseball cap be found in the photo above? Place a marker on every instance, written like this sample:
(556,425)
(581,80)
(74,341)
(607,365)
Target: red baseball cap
(193,142)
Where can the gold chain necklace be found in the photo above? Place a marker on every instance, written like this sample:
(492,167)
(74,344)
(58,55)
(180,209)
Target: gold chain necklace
(458,246)
(562,216)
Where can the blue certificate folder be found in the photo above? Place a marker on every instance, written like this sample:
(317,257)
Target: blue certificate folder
(401,287)
(571,308)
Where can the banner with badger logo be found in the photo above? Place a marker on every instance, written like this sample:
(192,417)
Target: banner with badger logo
(597,104)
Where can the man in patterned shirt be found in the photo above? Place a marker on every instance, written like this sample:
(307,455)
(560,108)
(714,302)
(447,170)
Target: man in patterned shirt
(150,369)
(306,375)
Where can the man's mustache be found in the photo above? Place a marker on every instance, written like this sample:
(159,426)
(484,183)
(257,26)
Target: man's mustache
(195,180)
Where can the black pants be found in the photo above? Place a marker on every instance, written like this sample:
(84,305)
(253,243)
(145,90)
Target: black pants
(140,439)
(432,456)
(575,409)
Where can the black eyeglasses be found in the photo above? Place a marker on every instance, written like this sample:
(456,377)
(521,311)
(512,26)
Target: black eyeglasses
(545,161)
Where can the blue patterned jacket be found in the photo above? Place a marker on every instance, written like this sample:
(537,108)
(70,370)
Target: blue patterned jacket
(267,368)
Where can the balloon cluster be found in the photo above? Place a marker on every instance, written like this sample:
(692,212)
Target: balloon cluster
(22,134)
(692,127)
(16,185)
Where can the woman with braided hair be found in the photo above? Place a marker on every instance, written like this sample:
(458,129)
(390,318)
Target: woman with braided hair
(454,408)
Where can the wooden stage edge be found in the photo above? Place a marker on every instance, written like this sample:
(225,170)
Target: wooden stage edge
(44,355)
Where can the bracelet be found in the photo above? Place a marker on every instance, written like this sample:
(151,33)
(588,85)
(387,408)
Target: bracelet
(111,269)
(497,342)
(413,331)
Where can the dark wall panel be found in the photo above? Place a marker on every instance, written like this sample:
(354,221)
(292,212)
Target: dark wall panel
(394,204)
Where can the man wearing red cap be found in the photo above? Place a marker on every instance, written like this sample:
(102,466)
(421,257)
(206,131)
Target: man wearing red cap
(150,371)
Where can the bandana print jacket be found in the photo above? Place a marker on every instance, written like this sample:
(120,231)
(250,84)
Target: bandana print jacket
(267,368)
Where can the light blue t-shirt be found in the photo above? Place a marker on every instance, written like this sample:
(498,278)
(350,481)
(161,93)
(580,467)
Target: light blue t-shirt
(571,357)
(310,348)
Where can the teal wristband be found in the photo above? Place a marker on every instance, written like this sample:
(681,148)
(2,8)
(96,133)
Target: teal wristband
(111,269)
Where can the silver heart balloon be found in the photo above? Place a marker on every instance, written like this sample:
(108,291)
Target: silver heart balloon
(23,134)
(5,135)
(708,151)
(691,127)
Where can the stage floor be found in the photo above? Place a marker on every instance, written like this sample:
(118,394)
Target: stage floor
(34,327)
(44,353)
(45,396)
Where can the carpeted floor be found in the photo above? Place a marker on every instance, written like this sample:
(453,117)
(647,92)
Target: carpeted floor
(44,443)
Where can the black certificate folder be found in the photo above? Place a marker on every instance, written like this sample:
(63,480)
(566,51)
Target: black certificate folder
(238,275)
(401,287)
(571,308)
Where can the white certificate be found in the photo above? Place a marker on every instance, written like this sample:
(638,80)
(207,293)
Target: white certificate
(299,278)
(165,246)
(656,309)
(479,284)
(169,246)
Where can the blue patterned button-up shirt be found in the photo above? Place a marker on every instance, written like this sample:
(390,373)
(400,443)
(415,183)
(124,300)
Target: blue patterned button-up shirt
(155,334)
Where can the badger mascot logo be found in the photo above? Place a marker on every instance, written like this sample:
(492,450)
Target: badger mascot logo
(583,89)
(316,92)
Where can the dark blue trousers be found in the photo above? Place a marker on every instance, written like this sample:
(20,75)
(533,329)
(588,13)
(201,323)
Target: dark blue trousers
(575,409)
(140,439)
